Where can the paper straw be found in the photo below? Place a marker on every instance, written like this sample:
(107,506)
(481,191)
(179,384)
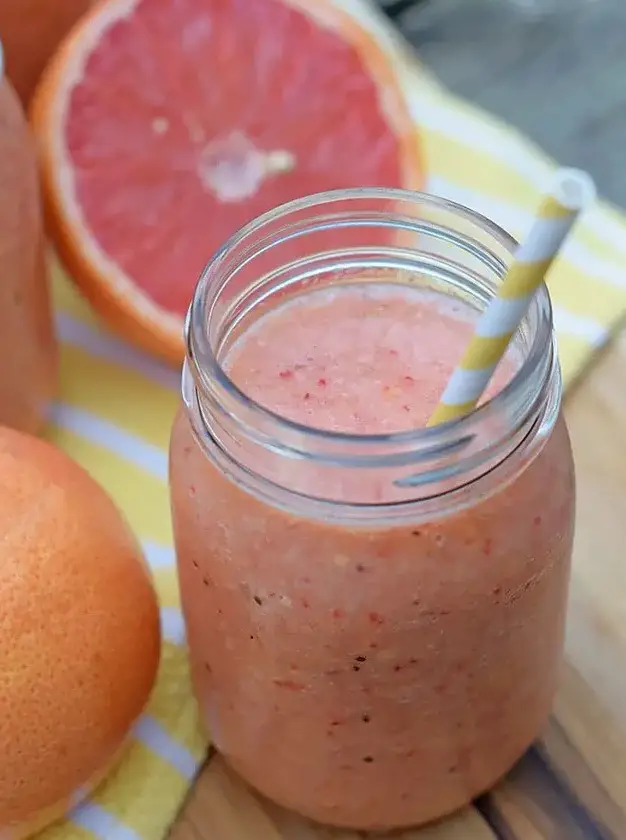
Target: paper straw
(571,191)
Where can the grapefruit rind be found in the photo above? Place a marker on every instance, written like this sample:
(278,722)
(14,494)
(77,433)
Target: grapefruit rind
(35,824)
(124,307)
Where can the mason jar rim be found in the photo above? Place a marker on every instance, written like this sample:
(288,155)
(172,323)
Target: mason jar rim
(208,373)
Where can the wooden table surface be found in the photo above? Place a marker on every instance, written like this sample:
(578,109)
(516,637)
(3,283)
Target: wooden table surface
(572,786)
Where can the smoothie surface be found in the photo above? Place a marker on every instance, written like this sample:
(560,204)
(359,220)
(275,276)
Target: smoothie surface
(363,358)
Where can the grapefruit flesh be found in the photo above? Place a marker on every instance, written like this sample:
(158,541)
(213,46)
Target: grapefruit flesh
(164,127)
(79,633)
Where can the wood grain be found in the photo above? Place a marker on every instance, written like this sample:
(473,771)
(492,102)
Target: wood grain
(571,786)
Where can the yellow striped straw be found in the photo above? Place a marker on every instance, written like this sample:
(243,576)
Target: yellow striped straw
(571,191)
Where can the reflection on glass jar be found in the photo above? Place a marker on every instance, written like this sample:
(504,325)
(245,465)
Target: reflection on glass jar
(375,610)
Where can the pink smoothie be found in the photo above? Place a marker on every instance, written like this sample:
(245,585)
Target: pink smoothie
(369,360)
(369,675)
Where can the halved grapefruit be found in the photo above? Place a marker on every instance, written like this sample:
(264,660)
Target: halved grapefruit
(164,126)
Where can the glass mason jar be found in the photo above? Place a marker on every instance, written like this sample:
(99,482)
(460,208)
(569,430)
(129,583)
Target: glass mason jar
(28,349)
(375,622)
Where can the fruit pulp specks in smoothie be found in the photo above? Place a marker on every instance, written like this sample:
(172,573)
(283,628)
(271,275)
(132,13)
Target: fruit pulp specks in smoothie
(380,673)
(364,358)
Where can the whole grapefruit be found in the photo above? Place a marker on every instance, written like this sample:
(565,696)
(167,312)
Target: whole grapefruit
(79,633)
(164,127)
(30,31)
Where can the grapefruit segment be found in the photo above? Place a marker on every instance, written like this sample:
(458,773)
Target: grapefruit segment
(164,127)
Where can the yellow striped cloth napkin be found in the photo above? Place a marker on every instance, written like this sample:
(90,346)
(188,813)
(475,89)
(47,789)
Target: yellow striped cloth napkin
(116,407)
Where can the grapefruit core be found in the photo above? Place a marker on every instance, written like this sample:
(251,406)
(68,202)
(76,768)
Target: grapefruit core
(164,127)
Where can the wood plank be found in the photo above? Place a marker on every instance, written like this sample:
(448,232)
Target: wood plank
(574,786)
(591,706)
(221,807)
